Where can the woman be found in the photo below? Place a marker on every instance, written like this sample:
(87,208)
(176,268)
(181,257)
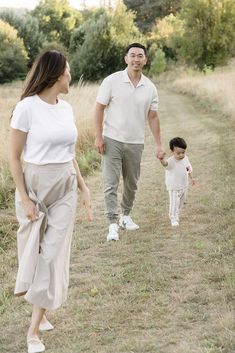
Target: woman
(42,127)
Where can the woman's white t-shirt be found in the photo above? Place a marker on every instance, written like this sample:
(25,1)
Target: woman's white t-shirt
(50,128)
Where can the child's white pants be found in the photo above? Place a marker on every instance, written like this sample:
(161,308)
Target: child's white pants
(177,199)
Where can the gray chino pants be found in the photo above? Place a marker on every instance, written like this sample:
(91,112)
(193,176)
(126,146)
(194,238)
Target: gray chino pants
(120,158)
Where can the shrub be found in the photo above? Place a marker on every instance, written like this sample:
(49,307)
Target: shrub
(13,56)
(158,64)
(209,32)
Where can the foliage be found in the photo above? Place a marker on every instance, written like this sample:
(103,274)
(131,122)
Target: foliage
(148,11)
(123,29)
(13,56)
(209,31)
(158,64)
(57,19)
(167,33)
(28,29)
(91,57)
(101,42)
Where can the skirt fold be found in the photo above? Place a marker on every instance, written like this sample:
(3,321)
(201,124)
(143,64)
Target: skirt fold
(44,245)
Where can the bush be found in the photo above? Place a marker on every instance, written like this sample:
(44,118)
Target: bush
(57,19)
(158,64)
(99,44)
(92,59)
(209,32)
(13,56)
(27,27)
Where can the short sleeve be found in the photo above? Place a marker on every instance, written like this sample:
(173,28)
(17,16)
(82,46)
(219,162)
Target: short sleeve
(104,92)
(170,164)
(20,118)
(154,102)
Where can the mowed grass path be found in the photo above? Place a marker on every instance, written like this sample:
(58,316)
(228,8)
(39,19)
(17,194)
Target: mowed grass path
(158,289)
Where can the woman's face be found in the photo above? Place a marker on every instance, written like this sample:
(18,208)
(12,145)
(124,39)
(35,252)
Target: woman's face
(64,80)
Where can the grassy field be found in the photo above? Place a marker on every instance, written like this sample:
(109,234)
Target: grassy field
(157,290)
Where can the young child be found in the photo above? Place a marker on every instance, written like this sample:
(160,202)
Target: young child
(178,168)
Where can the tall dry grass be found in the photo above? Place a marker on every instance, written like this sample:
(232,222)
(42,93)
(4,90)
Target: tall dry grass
(81,97)
(215,89)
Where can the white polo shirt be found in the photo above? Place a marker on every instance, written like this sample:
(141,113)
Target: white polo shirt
(127,106)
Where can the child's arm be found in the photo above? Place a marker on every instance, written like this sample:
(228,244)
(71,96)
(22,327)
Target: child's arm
(190,174)
(163,161)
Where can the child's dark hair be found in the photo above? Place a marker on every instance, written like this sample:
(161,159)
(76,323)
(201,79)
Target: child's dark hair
(177,142)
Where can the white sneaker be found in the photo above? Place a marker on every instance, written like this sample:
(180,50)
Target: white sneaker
(126,223)
(174,223)
(35,345)
(46,326)
(113,232)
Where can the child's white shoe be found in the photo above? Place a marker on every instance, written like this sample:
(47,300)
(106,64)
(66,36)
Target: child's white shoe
(174,223)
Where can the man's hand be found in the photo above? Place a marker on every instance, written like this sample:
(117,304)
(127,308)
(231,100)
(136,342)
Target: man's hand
(160,153)
(100,145)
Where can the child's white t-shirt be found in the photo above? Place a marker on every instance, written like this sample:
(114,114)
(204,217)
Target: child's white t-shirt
(176,175)
(51,131)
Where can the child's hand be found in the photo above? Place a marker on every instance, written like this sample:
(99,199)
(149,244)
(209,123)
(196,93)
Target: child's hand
(193,181)
(161,156)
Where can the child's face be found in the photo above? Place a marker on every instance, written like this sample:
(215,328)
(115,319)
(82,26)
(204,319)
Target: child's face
(178,153)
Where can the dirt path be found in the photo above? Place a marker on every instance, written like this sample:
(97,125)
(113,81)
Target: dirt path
(157,289)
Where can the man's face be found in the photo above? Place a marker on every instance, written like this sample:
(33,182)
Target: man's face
(135,59)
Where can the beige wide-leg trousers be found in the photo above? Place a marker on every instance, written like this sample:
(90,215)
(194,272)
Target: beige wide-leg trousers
(44,245)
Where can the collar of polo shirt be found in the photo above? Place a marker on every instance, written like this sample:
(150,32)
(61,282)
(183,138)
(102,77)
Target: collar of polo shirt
(126,78)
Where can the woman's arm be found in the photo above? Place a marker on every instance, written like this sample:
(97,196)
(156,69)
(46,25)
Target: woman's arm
(85,192)
(16,146)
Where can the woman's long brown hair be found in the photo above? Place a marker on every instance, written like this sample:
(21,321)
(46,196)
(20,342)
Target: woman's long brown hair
(46,70)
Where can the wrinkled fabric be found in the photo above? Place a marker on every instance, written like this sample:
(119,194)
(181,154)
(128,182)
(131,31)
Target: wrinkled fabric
(44,245)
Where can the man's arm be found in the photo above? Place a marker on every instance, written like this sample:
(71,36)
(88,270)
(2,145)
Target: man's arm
(99,117)
(154,124)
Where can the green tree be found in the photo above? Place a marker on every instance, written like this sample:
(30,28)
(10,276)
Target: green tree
(101,42)
(57,19)
(123,28)
(28,29)
(209,32)
(167,33)
(147,11)
(92,58)
(13,56)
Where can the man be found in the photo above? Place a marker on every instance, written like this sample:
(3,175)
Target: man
(125,100)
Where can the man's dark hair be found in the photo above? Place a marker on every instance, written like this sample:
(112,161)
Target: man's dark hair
(177,142)
(136,45)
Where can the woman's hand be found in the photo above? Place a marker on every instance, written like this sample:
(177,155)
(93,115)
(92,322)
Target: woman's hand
(30,209)
(86,202)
